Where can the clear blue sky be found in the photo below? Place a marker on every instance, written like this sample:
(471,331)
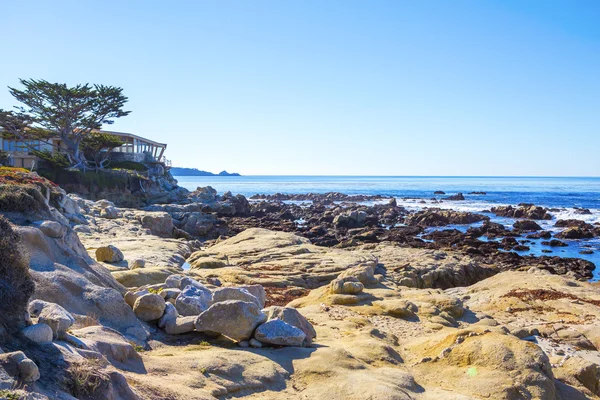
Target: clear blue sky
(333,87)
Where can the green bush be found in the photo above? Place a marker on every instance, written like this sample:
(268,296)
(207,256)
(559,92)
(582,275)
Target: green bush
(18,198)
(16,284)
(131,165)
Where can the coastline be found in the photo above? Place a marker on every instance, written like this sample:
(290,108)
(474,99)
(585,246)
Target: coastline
(296,296)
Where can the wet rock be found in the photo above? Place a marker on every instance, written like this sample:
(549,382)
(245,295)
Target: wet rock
(575,232)
(439,217)
(528,211)
(555,243)
(456,197)
(526,225)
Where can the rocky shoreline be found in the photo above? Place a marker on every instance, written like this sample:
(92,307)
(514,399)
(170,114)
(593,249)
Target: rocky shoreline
(289,296)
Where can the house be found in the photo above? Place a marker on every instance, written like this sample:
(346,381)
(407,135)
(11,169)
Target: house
(135,148)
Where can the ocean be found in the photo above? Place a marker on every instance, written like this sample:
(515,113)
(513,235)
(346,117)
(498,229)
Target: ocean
(562,193)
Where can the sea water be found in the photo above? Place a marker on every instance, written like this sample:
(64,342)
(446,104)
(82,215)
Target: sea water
(564,194)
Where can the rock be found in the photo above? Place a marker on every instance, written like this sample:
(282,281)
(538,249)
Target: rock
(439,192)
(193,300)
(354,219)
(20,367)
(109,212)
(39,333)
(53,315)
(232,318)
(149,307)
(528,211)
(347,285)
(131,296)
(280,333)
(234,293)
(169,316)
(109,254)
(397,308)
(255,343)
(456,197)
(575,232)
(180,325)
(112,345)
(439,217)
(293,317)
(137,263)
(159,223)
(207,262)
(555,243)
(363,272)
(577,370)
(257,291)
(82,229)
(51,229)
(526,225)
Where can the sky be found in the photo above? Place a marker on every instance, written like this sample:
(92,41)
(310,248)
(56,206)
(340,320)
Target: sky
(326,87)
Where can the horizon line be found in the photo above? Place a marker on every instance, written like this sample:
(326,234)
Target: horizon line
(396,176)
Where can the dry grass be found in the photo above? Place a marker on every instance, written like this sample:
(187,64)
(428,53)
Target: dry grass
(85,378)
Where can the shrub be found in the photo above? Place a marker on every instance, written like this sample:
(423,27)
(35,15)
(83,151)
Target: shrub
(16,284)
(18,198)
(85,378)
(130,165)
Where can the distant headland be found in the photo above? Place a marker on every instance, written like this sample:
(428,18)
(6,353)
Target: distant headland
(176,171)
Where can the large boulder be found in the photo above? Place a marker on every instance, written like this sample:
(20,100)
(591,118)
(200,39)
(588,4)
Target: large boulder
(53,315)
(346,285)
(38,333)
(159,223)
(109,254)
(234,293)
(51,229)
(112,345)
(353,219)
(193,300)
(232,318)
(149,307)
(526,225)
(293,317)
(280,333)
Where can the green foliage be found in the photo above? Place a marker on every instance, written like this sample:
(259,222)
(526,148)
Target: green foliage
(16,284)
(55,109)
(96,146)
(55,160)
(11,395)
(129,165)
(3,157)
(154,290)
